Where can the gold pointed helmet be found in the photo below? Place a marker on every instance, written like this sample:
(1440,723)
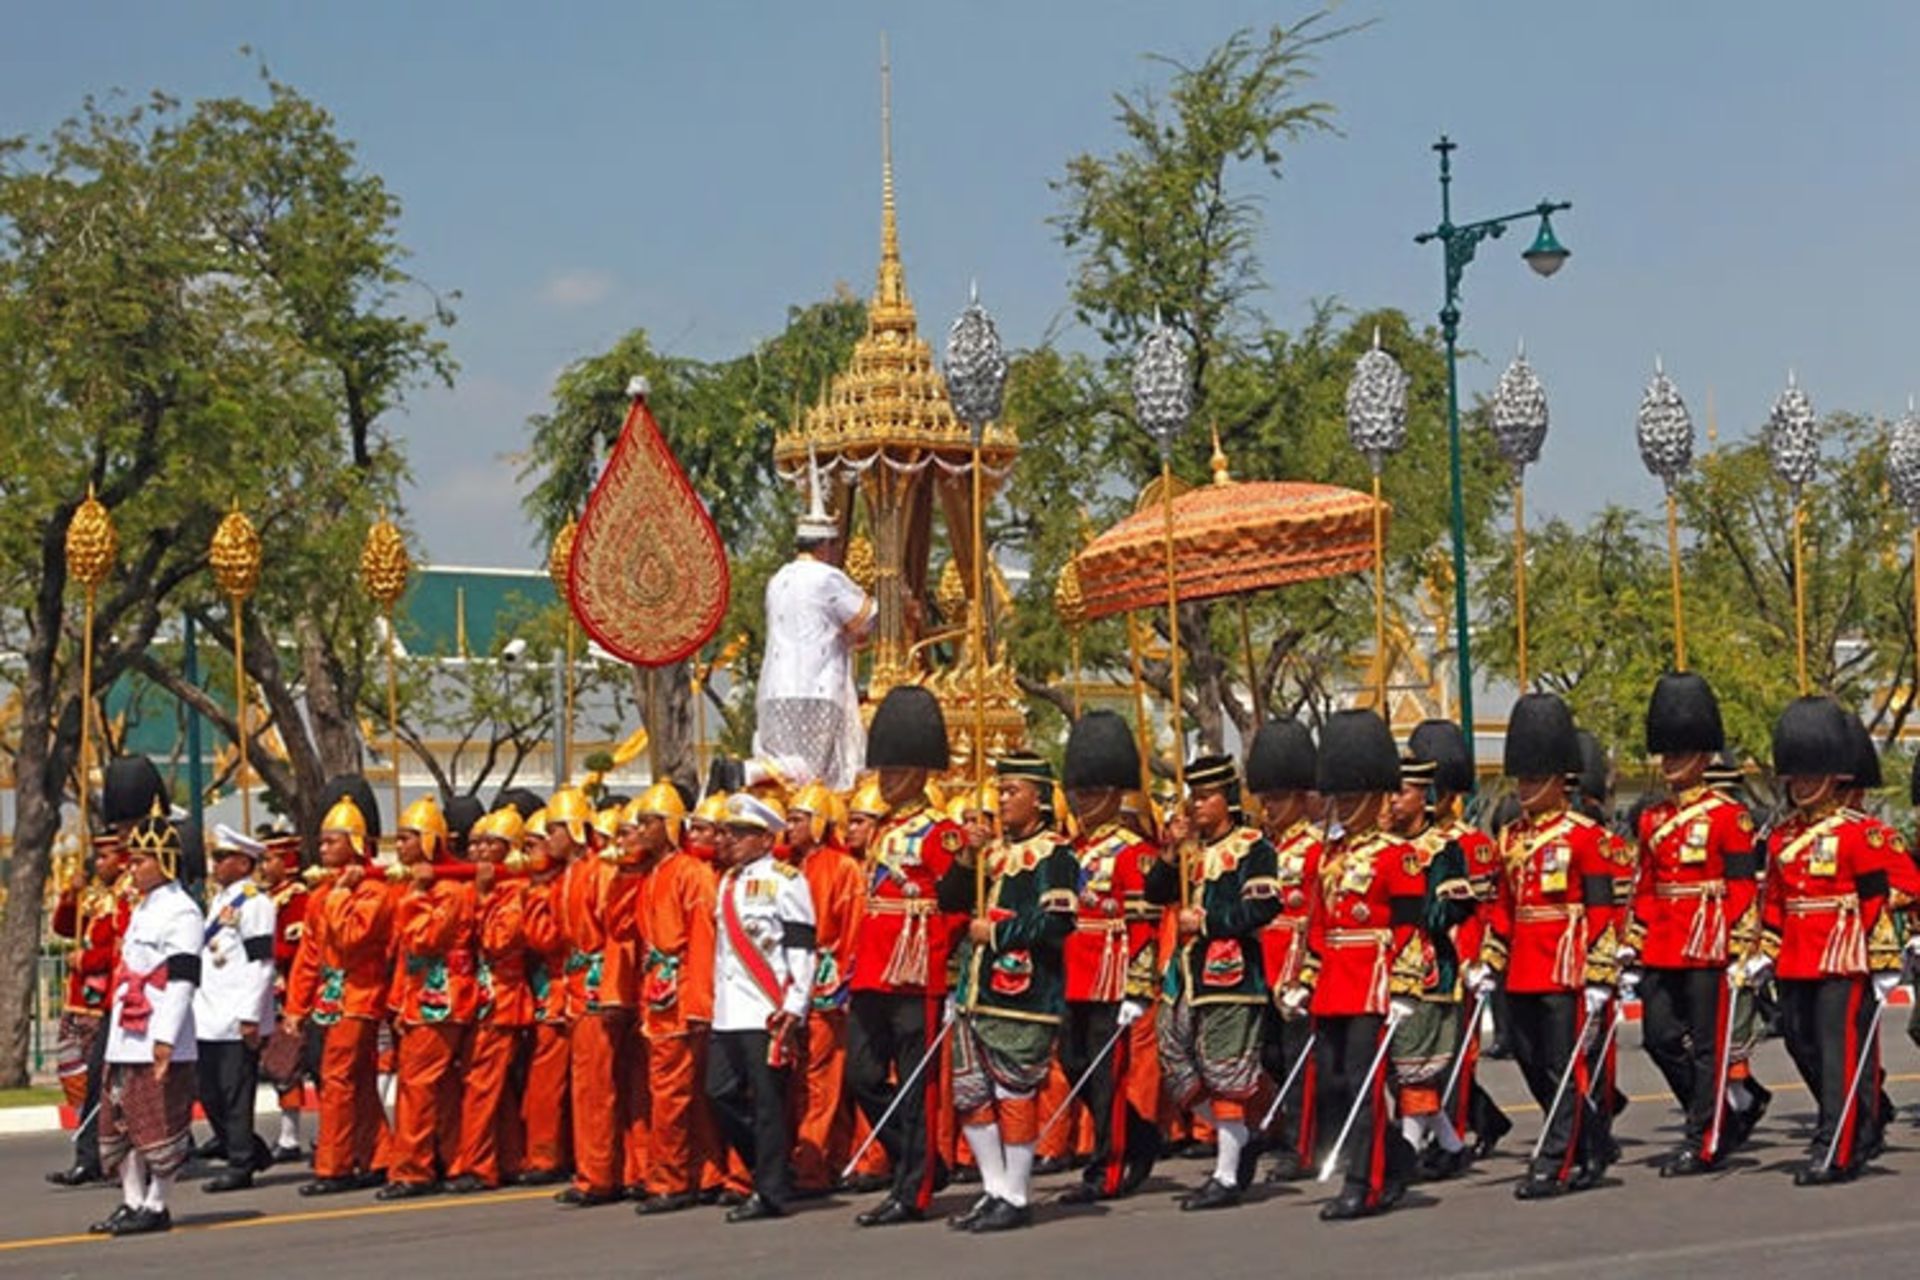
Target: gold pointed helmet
(823,807)
(662,800)
(503,824)
(867,800)
(608,818)
(537,825)
(712,810)
(346,819)
(423,818)
(569,806)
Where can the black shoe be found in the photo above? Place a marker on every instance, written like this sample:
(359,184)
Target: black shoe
(1438,1165)
(666,1203)
(888,1213)
(728,1198)
(580,1198)
(865,1184)
(1287,1166)
(78,1176)
(211,1149)
(1002,1216)
(141,1222)
(972,1213)
(1213,1194)
(371,1180)
(289,1154)
(407,1190)
(1687,1164)
(1537,1187)
(1484,1143)
(966,1175)
(1499,1051)
(634,1191)
(231,1180)
(1822,1175)
(105,1226)
(1249,1162)
(540,1177)
(1049,1164)
(1081,1192)
(329,1186)
(1351,1203)
(467,1183)
(754,1208)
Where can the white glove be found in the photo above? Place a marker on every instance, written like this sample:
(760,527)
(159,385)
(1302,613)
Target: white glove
(1479,980)
(1400,1008)
(1883,985)
(1628,957)
(951,1011)
(1629,983)
(1131,1011)
(1597,998)
(1756,969)
(1294,1002)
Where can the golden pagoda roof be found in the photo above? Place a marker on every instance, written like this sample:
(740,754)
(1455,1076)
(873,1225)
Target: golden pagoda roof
(890,396)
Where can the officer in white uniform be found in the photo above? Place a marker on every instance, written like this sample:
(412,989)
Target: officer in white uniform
(234,1002)
(762,979)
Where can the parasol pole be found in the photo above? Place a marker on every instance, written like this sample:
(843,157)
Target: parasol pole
(1177,717)
(92,541)
(1903,476)
(1376,407)
(1520,573)
(560,569)
(235,557)
(1799,592)
(976,384)
(393,703)
(240,711)
(1380,599)
(1665,433)
(1254,698)
(384,567)
(1141,731)
(1518,419)
(1673,565)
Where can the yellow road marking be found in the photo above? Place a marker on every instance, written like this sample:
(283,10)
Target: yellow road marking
(1791,1086)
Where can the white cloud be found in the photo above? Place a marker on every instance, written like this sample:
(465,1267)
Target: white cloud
(577,288)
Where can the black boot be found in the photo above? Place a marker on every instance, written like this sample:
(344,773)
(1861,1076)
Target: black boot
(231,1180)
(1002,1216)
(1213,1194)
(1351,1203)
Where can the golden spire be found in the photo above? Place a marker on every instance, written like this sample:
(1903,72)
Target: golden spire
(892,289)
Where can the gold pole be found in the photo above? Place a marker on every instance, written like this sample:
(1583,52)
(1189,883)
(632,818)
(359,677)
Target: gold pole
(1073,644)
(1254,698)
(86,719)
(393,706)
(1380,601)
(1799,595)
(979,672)
(1141,731)
(1177,713)
(1520,573)
(572,631)
(1916,605)
(699,686)
(1673,563)
(240,711)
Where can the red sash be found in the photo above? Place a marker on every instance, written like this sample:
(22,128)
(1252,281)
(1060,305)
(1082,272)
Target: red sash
(136,1010)
(750,958)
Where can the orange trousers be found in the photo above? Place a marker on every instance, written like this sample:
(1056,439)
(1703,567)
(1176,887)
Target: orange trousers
(484,1140)
(632,1068)
(543,1107)
(682,1138)
(825,1117)
(599,1120)
(353,1125)
(425,1063)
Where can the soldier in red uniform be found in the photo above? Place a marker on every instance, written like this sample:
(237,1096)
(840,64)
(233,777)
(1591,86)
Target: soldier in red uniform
(900,961)
(1592,794)
(1280,774)
(1367,905)
(1553,936)
(1692,916)
(1109,956)
(280,880)
(1828,935)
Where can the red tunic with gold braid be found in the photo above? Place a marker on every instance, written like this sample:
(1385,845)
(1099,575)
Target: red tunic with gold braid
(905,938)
(289,924)
(1283,941)
(94,916)
(1694,903)
(1833,877)
(1110,953)
(1368,897)
(1553,923)
(1483,874)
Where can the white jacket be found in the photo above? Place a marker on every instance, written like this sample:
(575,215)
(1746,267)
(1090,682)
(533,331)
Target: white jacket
(236,963)
(775,910)
(159,957)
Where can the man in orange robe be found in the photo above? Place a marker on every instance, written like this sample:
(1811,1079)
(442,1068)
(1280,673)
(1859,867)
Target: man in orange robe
(544,1106)
(504,1012)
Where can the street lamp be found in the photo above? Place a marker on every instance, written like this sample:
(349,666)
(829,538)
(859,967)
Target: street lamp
(1546,255)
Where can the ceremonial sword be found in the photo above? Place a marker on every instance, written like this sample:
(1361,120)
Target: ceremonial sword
(1085,1076)
(1867,1046)
(1286,1086)
(1360,1098)
(900,1094)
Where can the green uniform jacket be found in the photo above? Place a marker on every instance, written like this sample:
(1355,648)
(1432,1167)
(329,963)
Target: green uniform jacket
(1032,897)
(1237,883)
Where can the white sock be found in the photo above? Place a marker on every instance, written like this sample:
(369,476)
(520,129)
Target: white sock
(984,1141)
(1414,1130)
(157,1188)
(1443,1130)
(1019,1172)
(289,1129)
(1233,1140)
(133,1180)
(1739,1095)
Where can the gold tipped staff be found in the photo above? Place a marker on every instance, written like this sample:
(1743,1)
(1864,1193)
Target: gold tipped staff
(235,556)
(1377,427)
(92,542)
(976,385)
(1903,473)
(560,569)
(1141,731)
(1665,432)
(384,567)
(1793,447)
(1221,476)
(1518,418)
(1071,605)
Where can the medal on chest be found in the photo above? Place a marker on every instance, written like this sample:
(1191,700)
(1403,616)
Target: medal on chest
(1553,867)
(1824,860)
(1693,846)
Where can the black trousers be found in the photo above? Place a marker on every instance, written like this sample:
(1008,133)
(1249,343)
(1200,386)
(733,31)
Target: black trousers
(1375,1155)
(229,1074)
(749,1100)
(1282,1041)
(1825,1022)
(1544,1030)
(1122,1160)
(888,1033)
(1683,1024)
(86,1147)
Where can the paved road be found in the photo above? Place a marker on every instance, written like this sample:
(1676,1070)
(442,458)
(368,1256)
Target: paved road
(1749,1221)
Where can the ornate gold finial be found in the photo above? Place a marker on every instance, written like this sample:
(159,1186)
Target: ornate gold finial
(893,285)
(235,555)
(1219,460)
(1068,601)
(951,595)
(860,562)
(560,556)
(384,565)
(92,542)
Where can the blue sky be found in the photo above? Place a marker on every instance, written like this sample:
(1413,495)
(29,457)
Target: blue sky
(1743,177)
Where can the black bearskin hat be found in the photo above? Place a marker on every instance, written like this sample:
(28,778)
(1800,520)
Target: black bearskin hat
(908,731)
(131,790)
(1683,716)
(1357,755)
(523,801)
(1810,739)
(1442,742)
(1101,752)
(1282,758)
(462,812)
(1864,758)
(1540,738)
(1594,766)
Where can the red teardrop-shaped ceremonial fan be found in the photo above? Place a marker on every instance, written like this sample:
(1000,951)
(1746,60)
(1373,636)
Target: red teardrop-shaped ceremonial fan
(648,578)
